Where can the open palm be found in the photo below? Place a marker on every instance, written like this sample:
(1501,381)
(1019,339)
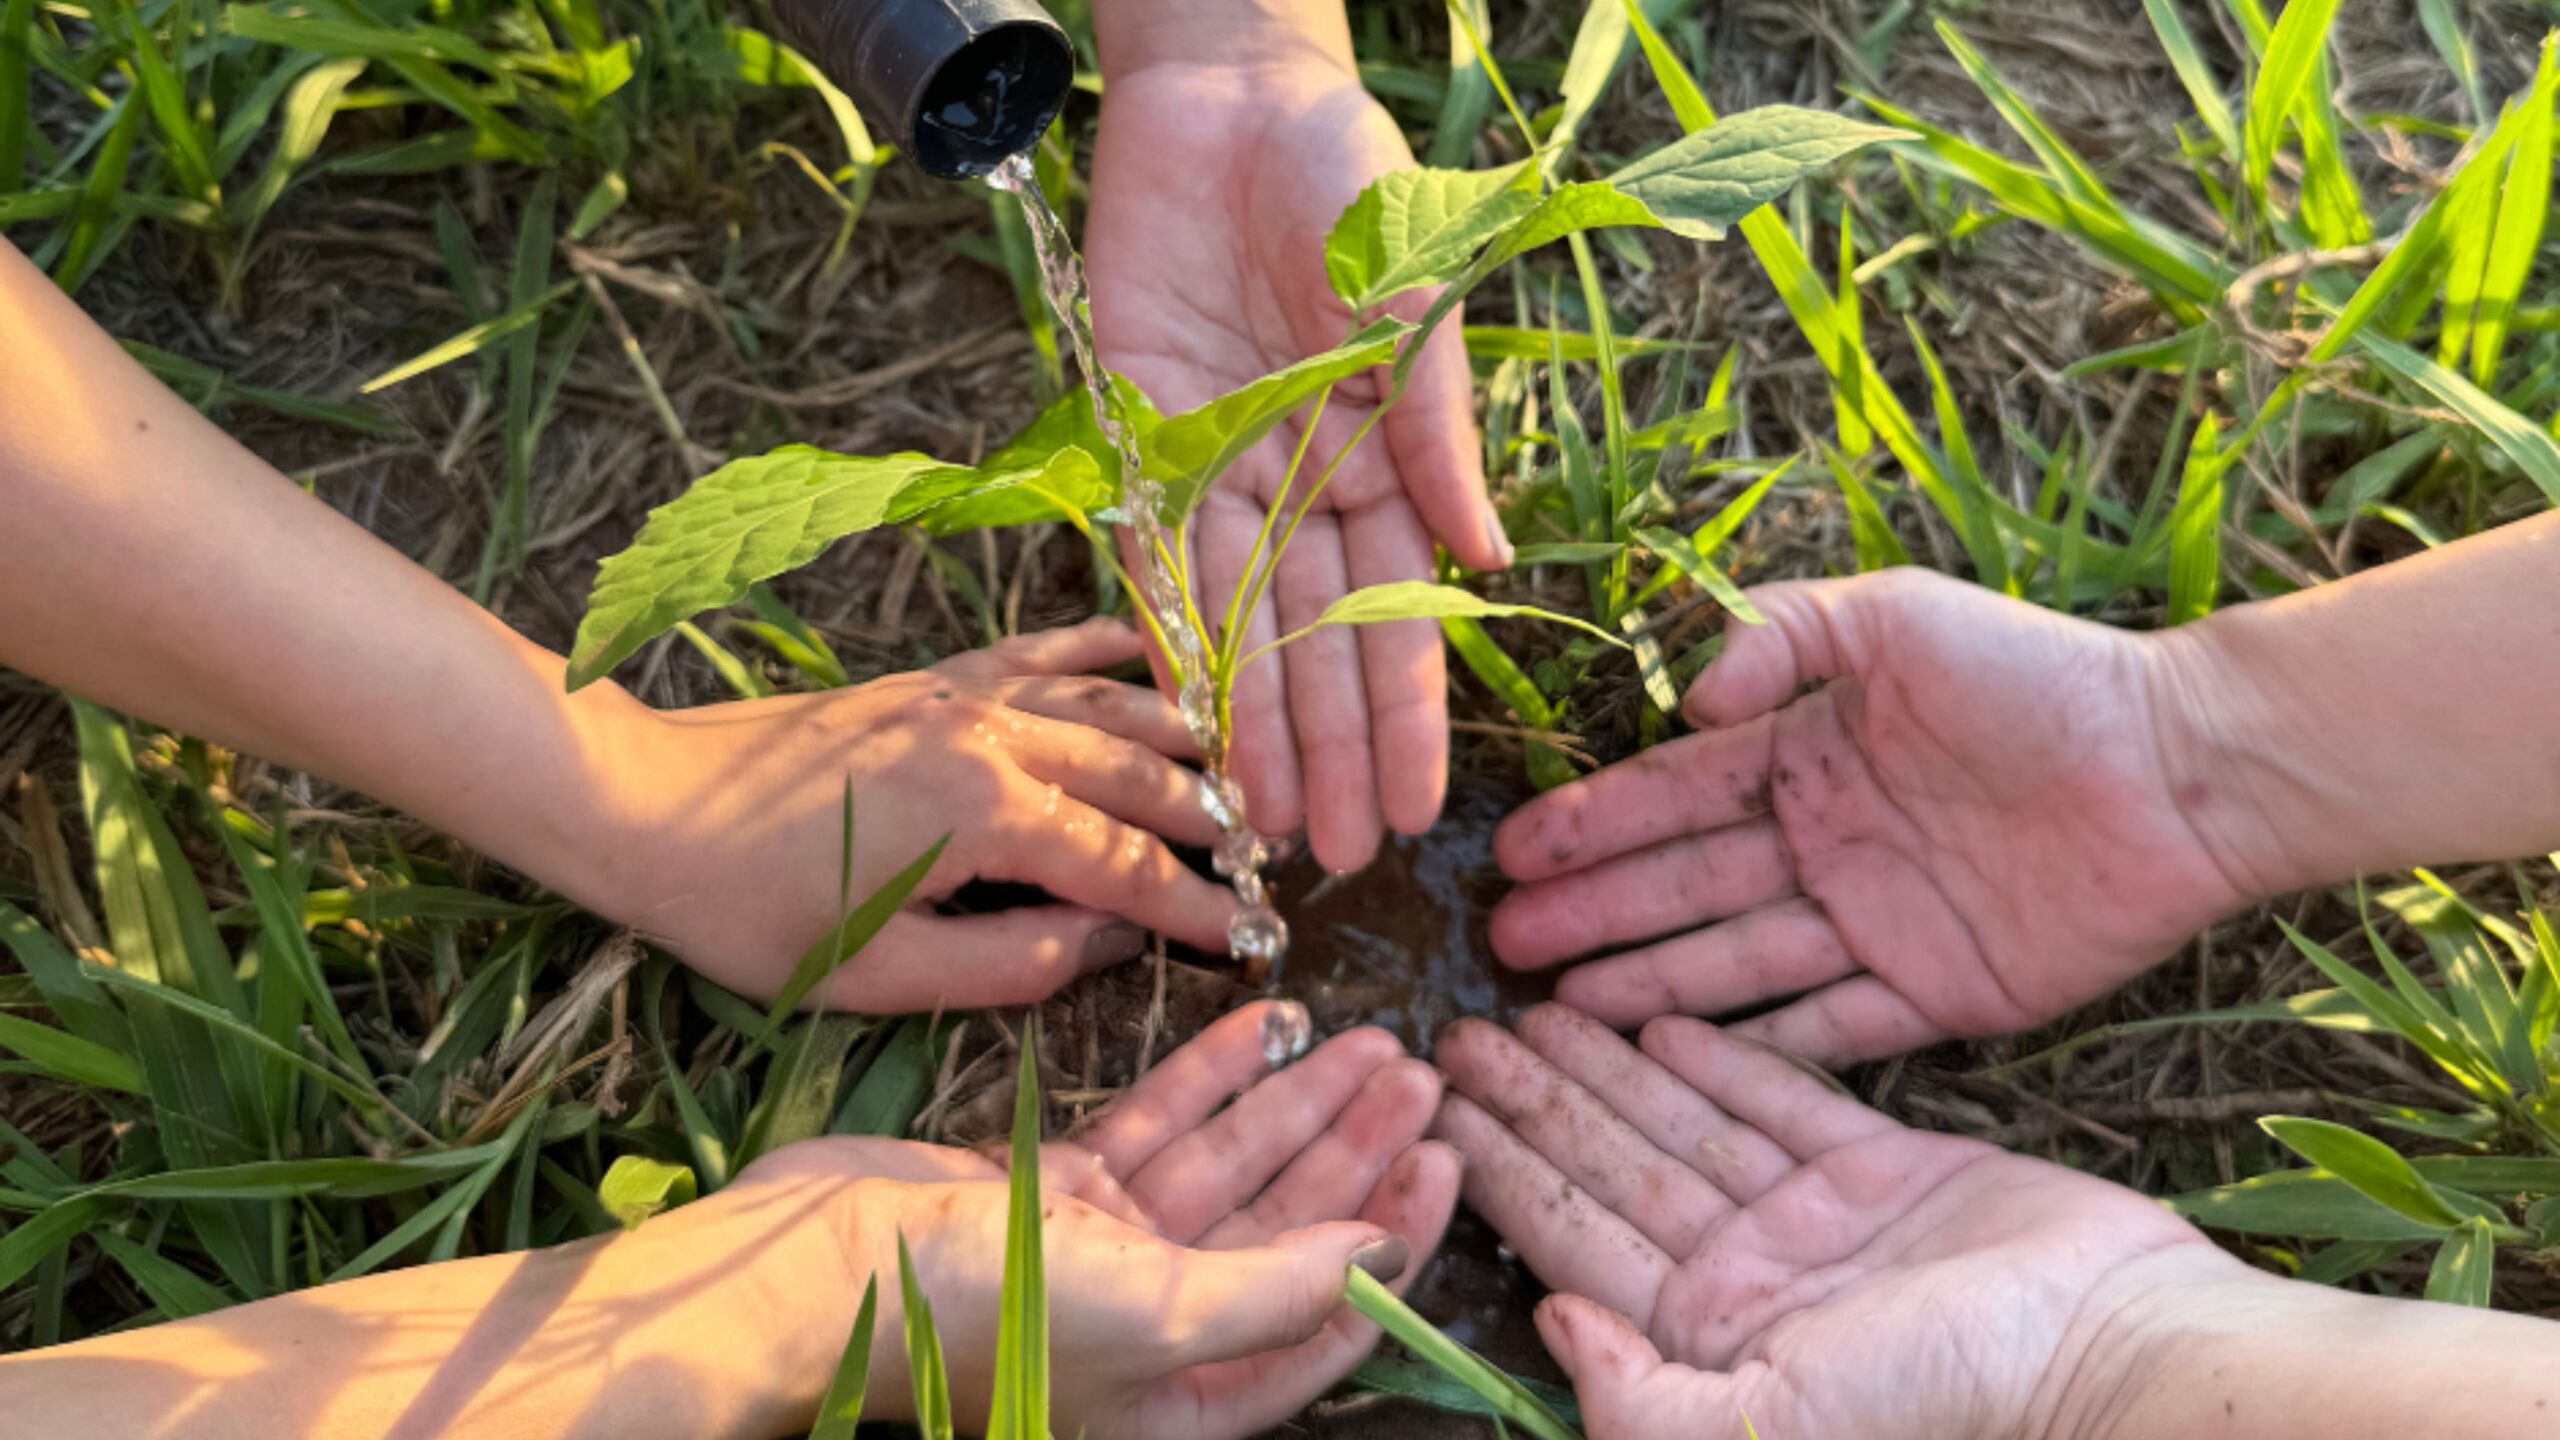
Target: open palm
(1213,187)
(1731,1237)
(1973,827)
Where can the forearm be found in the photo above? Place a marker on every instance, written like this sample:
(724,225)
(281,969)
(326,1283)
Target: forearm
(2285,1360)
(2398,718)
(151,564)
(631,1338)
(1133,34)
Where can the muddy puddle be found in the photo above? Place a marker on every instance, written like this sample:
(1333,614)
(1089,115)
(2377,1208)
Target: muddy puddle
(1404,944)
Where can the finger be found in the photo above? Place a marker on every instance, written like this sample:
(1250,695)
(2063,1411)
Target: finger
(1328,700)
(1405,669)
(1131,712)
(922,963)
(1569,1239)
(1205,1176)
(1776,950)
(1249,1394)
(1591,1145)
(1262,754)
(1812,635)
(1763,1088)
(1668,888)
(1337,1171)
(1625,1389)
(1085,857)
(1686,786)
(1231,1303)
(1096,644)
(1861,1018)
(1431,434)
(1189,1085)
(1121,778)
(1674,1118)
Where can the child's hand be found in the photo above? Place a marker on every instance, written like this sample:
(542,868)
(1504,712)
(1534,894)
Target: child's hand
(1981,821)
(1730,1238)
(1195,1254)
(1039,772)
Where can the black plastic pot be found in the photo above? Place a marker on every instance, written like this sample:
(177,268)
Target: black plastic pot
(962,85)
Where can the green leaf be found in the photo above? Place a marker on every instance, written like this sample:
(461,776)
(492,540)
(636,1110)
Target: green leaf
(1191,450)
(1568,552)
(74,998)
(1424,1385)
(37,1238)
(2195,529)
(1423,600)
(471,341)
(638,1187)
(840,1409)
(2465,1264)
(1421,227)
(2524,211)
(1676,549)
(66,1056)
(17,101)
(1870,532)
(1021,1407)
(1508,1397)
(2194,73)
(2373,1168)
(925,1367)
(2532,448)
(747,521)
(2301,34)
(894,1087)
(2313,1204)
(179,1292)
(1017,488)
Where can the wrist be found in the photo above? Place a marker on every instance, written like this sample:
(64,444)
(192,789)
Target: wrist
(2246,768)
(1259,35)
(2150,1339)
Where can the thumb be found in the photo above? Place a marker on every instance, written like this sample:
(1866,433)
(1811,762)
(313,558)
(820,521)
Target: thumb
(1601,1351)
(1235,1303)
(1763,666)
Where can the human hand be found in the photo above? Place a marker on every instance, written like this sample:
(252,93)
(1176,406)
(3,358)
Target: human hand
(1979,823)
(1041,774)
(1195,1254)
(1231,138)
(1731,1237)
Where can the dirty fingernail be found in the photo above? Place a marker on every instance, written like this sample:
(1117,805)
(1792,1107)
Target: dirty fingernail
(1112,944)
(1383,1259)
(1493,536)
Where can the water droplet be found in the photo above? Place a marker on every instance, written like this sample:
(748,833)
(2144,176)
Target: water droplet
(1287,1032)
(1257,934)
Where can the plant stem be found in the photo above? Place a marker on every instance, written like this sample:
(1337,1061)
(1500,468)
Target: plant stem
(1506,1395)
(1229,641)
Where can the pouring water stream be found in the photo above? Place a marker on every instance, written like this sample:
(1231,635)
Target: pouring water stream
(1257,936)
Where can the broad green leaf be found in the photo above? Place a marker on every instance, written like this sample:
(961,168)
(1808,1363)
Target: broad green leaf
(66,1056)
(2492,1175)
(76,1000)
(925,1367)
(2313,1204)
(2465,1265)
(1698,185)
(1421,227)
(747,521)
(895,1085)
(1021,1408)
(2387,1008)
(2373,1168)
(2293,52)
(840,1409)
(179,1292)
(308,109)
(2195,529)
(1424,600)
(1191,450)
(638,1187)
(799,1091)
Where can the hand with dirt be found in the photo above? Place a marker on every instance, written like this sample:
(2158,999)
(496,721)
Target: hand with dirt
(1039,772)
(1197,1241)
(1973,827)
(1739,1247)
(1990,813)
(1232,136)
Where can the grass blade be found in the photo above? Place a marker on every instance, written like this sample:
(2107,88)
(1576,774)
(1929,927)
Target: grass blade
(1509,1399)
(849,936)
(69,1058)
(2293,52)
(2524,211)
(2193,73)
(2465,1265)
(2195,530)
(1021,1406)
(925,1366)
(840,1409)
